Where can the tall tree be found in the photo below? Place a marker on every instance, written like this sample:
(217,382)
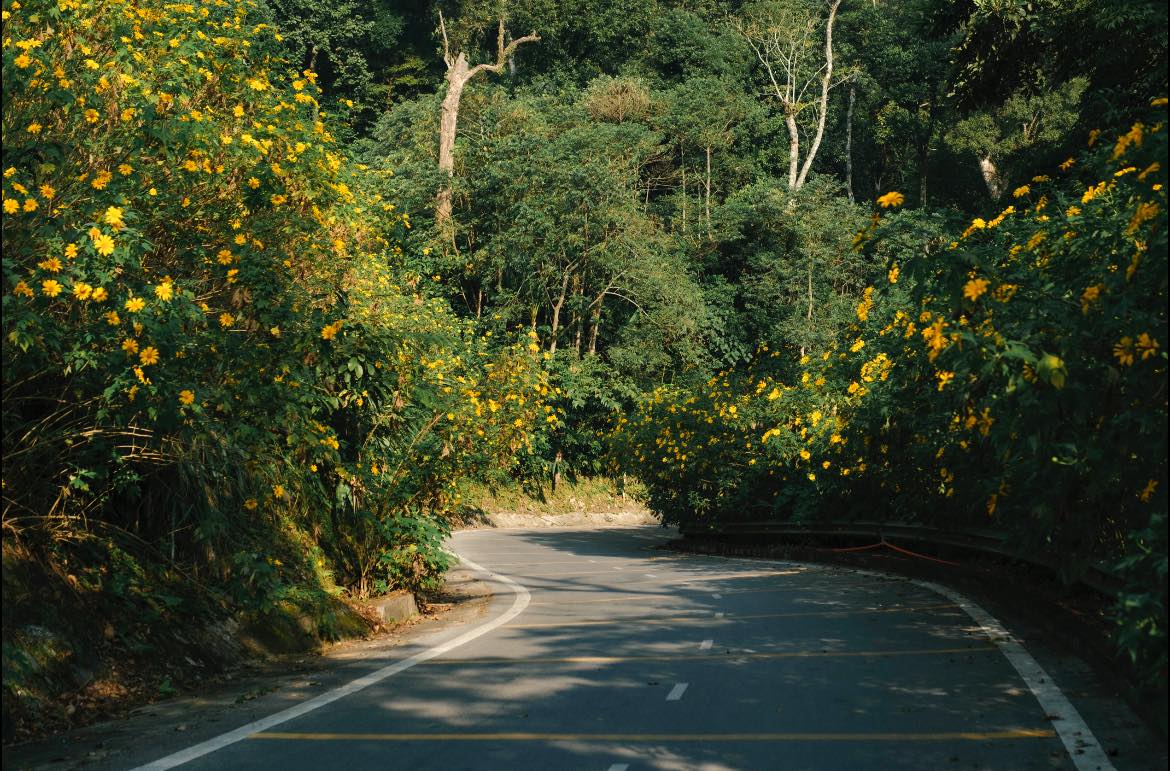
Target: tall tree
(459,74)
(783,36)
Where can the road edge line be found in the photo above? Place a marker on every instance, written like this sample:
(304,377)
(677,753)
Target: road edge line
(1083,747)
(520,602)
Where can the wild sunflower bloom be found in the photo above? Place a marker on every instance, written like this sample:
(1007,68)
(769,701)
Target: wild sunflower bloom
(226,320)
(944,379)
(22,289)
(113,217)
(100,294)
(1147,346)
(53,265)
(51,288)
(186,397)
(11,206)
(113,319)
(891,199)
(104,245)
(1123,350)
(165,291)
(82,290)
(1021,191)
(225,257)
(975,288)
(70,251)
(149,355)
(130,345)
(135,304)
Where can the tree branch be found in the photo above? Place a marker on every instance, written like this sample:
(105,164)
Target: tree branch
(446,43)
(502,52)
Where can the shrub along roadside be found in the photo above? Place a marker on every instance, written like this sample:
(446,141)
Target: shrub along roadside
(1008,374)
(216,372)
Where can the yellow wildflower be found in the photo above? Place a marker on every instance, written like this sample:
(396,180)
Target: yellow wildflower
(975,288)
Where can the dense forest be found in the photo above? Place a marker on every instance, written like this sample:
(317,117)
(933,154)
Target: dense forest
(282,278)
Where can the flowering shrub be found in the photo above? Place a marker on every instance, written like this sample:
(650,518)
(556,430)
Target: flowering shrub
(208,341)
(1008,376)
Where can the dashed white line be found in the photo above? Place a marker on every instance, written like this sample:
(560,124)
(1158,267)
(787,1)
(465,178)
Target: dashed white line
(717,596)
(718,615)
(651,575)
(619,767)
(677,692)
(706,644)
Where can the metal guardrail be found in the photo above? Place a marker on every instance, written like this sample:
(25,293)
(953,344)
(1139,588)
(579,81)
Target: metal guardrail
(1097,577)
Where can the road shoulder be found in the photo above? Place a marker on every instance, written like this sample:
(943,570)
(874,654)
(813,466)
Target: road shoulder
(258,690)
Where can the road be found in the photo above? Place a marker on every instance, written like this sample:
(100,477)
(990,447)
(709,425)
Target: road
(608,654)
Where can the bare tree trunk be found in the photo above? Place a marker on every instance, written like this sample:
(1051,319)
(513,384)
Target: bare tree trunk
(596,326)
(826,84)
(793,148)
(578,314)
(707,199)
(556,311)
(448,121)
(849,144)
(991,177)
(458,75)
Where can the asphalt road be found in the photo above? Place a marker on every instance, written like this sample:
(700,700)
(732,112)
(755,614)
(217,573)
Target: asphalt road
(607,654)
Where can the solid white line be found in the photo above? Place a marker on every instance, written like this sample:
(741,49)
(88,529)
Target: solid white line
(619,767)
(706,644)
(1083,748)
(677,692)
(519,603)
(651,575)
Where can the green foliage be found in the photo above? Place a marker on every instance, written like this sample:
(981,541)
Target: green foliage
(210,342)
(1011,376)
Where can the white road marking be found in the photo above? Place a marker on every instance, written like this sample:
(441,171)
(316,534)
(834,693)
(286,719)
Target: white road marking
(677,692)
(706,644)
(717,596)
(522,598)
(619,767)
(1083,748)
(651,575)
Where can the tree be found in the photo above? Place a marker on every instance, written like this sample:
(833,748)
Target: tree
(459,73)
(782,35)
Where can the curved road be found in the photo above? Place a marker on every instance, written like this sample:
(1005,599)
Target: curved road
(607,654)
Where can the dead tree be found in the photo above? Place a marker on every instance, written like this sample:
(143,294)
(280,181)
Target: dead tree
(459,73)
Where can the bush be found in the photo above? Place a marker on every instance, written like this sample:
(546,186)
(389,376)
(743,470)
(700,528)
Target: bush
(208,340)
(1010,375)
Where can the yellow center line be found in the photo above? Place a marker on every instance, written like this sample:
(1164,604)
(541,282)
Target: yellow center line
(706,616)
(719,658)
(529,736)
(620,597)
